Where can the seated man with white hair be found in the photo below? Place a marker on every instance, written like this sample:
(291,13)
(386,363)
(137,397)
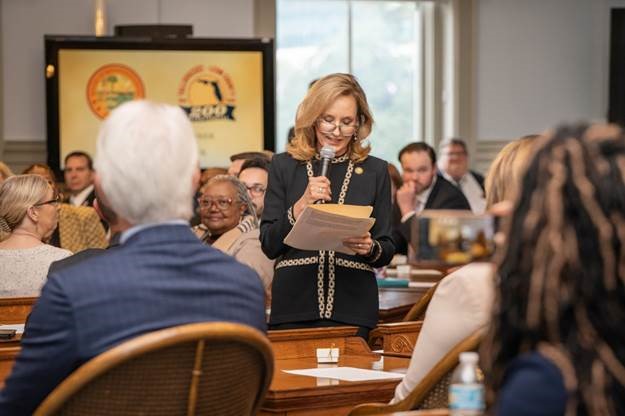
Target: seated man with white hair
(160,275)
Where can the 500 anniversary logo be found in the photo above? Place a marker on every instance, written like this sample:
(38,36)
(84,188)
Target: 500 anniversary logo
(207,93)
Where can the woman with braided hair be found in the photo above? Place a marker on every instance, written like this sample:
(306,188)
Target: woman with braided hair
(556,344)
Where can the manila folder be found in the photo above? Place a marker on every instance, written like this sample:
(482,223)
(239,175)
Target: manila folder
(325,226)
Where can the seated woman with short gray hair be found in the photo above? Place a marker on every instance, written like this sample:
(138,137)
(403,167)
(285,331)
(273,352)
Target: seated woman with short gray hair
(229,223)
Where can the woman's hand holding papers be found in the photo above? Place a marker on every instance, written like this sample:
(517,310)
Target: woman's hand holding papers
(362,245)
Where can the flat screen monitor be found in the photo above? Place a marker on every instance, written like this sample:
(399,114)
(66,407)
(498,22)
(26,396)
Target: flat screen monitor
(225,86)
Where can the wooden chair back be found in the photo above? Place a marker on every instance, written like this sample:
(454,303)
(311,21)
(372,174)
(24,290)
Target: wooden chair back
(417,312)
(432,391)
(196,369)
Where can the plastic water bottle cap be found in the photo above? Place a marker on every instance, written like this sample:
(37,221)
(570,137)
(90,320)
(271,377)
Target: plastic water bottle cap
(469,357)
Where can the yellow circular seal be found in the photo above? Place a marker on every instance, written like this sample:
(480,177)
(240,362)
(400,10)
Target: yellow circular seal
(112,85)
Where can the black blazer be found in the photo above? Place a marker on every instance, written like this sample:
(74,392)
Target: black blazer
(444,195)
(478,177)
(295,282)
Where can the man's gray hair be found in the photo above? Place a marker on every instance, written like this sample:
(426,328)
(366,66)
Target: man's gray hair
(146,159)
(453,140)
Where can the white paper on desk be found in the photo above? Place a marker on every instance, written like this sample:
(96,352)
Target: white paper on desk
(325,226)
(19,328)
(346,373)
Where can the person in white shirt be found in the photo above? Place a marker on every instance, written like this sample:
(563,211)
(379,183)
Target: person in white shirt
(453,165)
(79,178)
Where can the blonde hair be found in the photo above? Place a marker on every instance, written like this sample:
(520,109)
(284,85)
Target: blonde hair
(319,97)
(5,172)
(17,194)
(504,175)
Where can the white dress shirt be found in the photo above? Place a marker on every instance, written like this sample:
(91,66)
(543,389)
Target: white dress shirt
(80,198)
(471,189)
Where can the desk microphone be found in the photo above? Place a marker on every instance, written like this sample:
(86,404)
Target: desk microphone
(327,154)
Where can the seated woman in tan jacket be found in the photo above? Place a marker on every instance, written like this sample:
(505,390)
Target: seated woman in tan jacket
(229,223)
(463,300)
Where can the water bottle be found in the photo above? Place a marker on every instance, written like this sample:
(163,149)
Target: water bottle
(466,392)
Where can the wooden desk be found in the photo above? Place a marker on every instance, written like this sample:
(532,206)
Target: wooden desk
(303,343)
(396,302)
(15,310)
(291,394)
(431,412)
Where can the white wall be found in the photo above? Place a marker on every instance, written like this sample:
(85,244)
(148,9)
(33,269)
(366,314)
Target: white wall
(539,62)
(23,24)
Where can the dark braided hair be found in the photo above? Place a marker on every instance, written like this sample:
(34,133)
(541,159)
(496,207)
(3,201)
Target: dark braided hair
(562,271)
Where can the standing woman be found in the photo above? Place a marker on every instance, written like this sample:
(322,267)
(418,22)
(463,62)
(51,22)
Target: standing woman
(324,288)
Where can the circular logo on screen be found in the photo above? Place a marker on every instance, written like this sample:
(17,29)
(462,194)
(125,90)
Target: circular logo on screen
(207,93)
(111,86)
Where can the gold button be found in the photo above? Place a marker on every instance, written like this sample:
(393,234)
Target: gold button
(359,170)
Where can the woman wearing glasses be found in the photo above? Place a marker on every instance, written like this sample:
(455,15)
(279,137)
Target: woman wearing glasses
(325,288)
(28,216)
(228,223)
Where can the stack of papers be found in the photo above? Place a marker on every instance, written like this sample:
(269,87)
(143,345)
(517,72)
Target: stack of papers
(347,374)
(325,226)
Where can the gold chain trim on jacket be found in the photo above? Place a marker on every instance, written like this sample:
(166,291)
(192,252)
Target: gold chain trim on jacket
(303,261)
(353,264)
(335,159)
(325,309)
(289,213)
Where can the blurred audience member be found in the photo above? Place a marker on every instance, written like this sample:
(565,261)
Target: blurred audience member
(28,215)
(238,159)
(160,275)
(422,189)
(453,164)
(79,178)
(555,345)
(254,174)
(79,227)
(229,223)
(463,300)
(5,172)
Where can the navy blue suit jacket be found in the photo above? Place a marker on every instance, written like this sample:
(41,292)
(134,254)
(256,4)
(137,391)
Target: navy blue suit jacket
(161,277)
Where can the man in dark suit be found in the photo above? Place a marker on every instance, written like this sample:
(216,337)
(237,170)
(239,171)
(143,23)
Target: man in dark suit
(453,164)
(78,175)
(160,275)
(422,189)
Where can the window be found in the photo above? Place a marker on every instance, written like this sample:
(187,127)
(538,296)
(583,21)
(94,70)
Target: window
(378,41)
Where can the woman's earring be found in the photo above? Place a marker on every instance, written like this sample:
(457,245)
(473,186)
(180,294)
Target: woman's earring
(355,137)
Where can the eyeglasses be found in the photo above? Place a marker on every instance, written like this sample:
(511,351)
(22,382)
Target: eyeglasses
(221,203)
(55,201)
(256,189)
(328,127)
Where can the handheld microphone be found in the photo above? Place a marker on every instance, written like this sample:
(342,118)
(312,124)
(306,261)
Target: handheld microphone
(327,154)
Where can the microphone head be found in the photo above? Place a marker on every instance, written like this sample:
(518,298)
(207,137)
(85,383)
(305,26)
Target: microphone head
(327,152)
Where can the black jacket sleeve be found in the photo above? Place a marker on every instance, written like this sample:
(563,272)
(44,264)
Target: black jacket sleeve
(384,247)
